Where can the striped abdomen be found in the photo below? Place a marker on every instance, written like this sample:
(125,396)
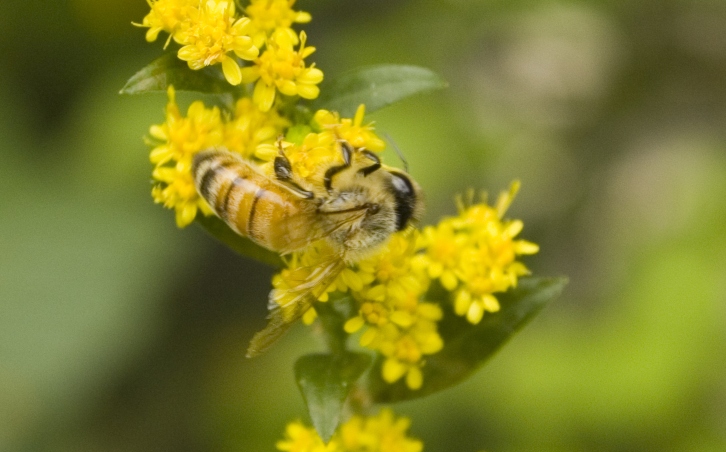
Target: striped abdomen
(250,203)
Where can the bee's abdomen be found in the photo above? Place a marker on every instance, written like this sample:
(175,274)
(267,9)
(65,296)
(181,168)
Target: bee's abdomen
(245,199)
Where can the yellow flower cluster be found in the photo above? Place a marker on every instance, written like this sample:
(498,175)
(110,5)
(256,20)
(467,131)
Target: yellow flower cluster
(282,69)
(387,289)
(397,324)
(248,132)
(474,255)
(211,32)
(320,149)
(351,130)
(381,433)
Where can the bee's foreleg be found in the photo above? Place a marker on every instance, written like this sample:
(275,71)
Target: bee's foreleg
(376,163)
(283,173)
(347,151)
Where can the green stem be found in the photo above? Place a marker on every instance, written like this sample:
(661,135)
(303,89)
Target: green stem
(332,320)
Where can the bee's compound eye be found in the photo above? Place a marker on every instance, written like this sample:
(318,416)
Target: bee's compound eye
(374,208)
(405,196)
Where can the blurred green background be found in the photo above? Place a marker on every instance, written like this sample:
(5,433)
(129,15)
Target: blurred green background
(119,332)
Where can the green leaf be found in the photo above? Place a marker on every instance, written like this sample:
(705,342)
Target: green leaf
(325,381)
(236,242)
(376,87)
(170,70)
(466,346)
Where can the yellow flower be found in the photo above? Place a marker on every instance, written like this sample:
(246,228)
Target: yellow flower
(405,349)
(178,139)
(314,156)
(270,15)
(212,33)
(474,255)
(387,289)
(175,190)
(253,133)
(166,15)
(397,324)
(351,130)
(282,69)
(299,438)
(311,158)
(444,249)
(383,432)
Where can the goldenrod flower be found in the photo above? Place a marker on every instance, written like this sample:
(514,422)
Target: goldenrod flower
(166,15)
(398,324)
(391,268)
(175,190)
(351,130)
(402,336)
(299,438)
(318,151)
(383,432)
(474,255)
(253,133)
(212,33)
(270,15)
(282,69)
(178,139)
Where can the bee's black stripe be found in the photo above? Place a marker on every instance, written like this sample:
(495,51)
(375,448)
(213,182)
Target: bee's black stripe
(250,221)
(205,183)
(224,210)
(202,157)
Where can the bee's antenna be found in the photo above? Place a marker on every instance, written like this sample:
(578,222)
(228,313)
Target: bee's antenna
(398,151)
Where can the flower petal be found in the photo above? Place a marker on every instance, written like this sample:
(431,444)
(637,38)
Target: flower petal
(231,71)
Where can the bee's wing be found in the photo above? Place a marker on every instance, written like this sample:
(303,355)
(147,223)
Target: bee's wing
(297,302)
(316,230)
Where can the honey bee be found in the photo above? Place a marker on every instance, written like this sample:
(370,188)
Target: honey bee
(355,208)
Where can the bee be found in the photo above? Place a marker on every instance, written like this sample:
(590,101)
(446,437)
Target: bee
(355,208)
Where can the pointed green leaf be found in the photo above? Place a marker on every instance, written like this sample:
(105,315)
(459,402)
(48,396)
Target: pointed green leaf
(324,381)
(236,242)
(466,346)
(376,87)
(170,70)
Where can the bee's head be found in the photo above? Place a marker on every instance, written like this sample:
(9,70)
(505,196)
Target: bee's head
(367,201)
(407,199)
